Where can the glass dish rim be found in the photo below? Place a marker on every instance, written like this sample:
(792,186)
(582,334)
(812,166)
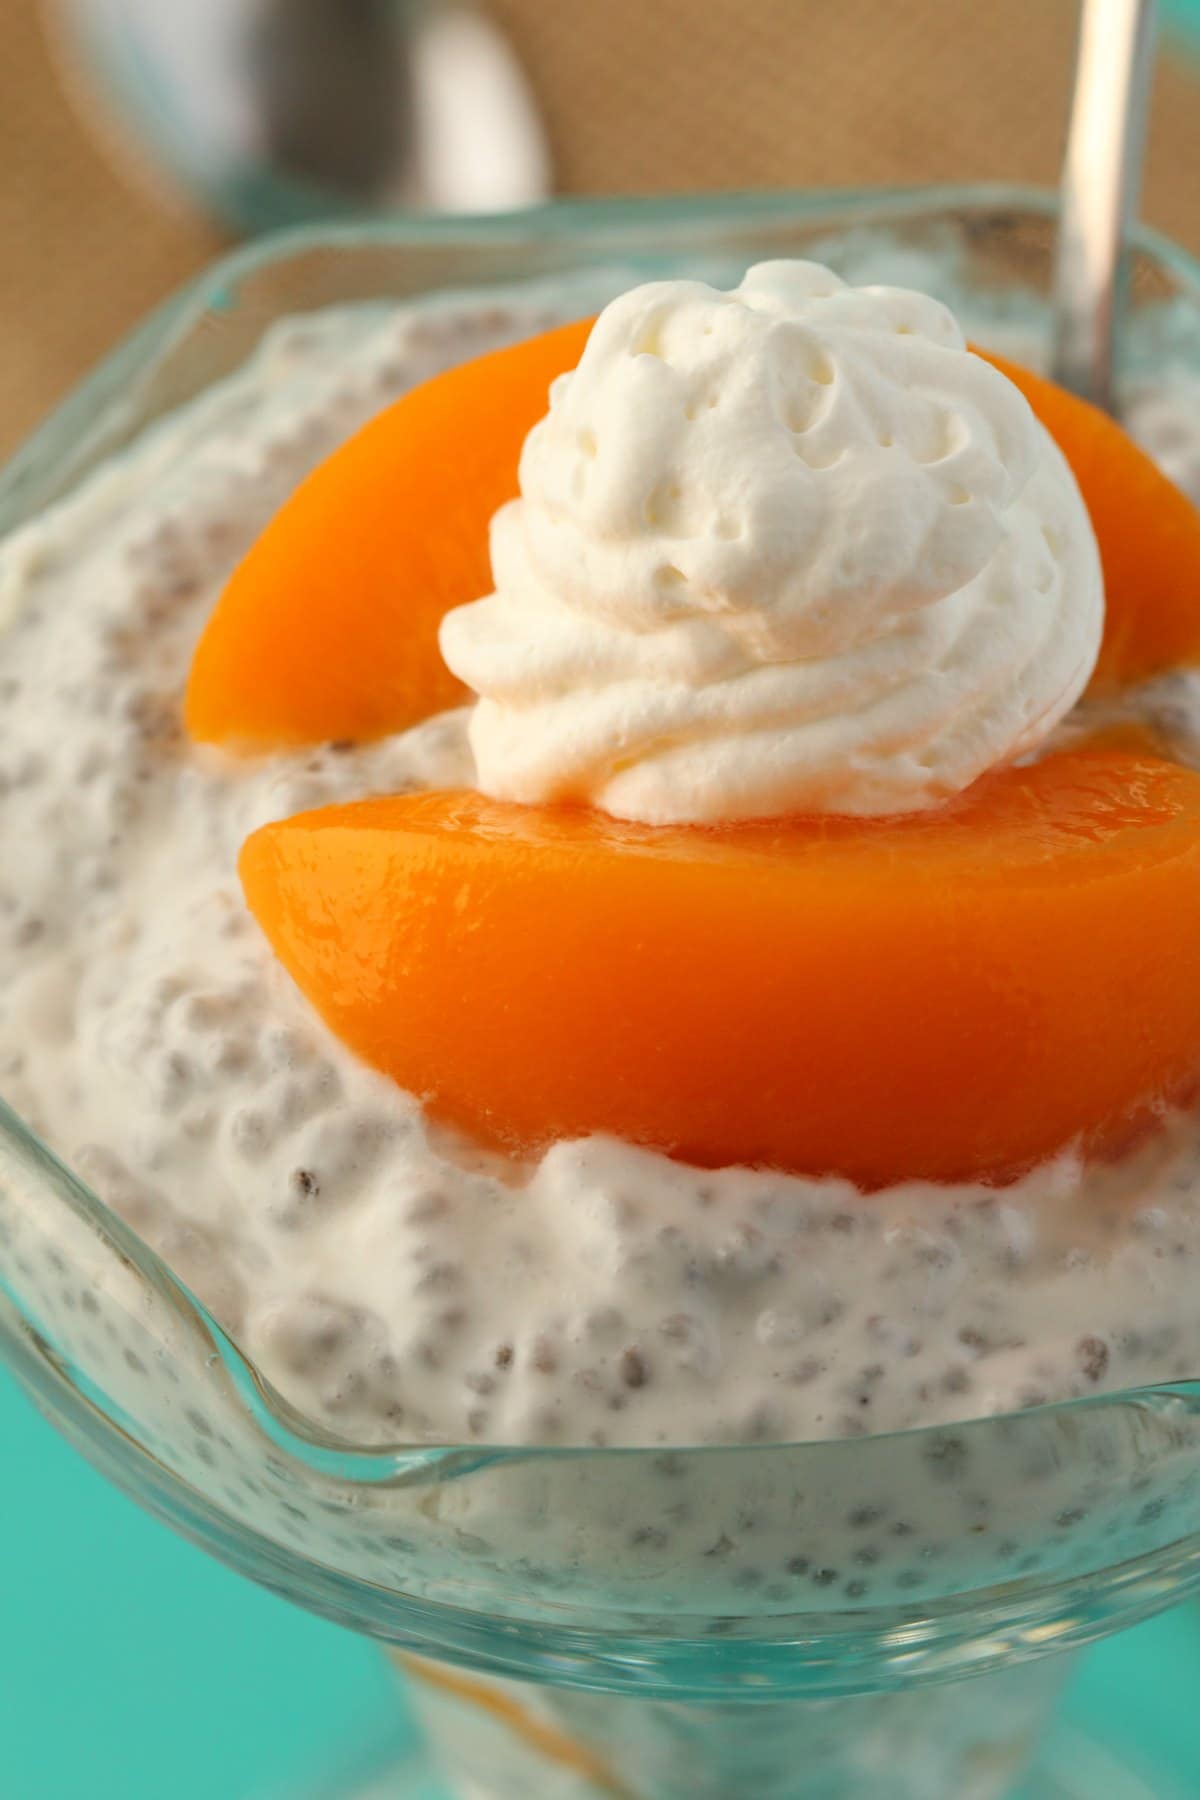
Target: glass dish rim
(589,221)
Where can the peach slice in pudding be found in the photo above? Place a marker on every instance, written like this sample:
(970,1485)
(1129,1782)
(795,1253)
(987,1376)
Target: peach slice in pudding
(948,995)
(328,627)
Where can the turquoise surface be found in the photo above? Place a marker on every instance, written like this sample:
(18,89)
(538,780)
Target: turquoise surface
(132,1667)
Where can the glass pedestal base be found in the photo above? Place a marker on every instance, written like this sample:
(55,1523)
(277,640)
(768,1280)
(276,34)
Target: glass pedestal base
(1076,1764)
(1152,1669)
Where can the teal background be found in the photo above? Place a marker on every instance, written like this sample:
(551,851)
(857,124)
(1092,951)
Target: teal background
(134,1668)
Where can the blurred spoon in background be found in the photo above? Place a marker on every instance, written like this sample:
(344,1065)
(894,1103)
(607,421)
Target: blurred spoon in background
(271,112)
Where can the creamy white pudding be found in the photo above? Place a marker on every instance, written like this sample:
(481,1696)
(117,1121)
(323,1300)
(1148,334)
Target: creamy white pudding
(391,1281)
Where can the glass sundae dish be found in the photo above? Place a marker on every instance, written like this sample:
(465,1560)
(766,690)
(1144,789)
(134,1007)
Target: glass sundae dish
(691,1247)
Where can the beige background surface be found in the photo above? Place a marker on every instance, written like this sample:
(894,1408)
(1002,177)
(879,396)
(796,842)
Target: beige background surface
(638,95)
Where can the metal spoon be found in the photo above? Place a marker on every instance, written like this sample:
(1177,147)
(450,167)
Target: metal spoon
(1101,180)
(421,104)
(275,111)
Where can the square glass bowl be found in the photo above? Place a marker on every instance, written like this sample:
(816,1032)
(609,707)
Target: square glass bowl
(567,1643)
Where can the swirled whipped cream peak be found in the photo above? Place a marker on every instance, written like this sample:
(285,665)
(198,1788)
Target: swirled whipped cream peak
(789,548)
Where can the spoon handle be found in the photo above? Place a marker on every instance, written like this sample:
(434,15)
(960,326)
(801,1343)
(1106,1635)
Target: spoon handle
(1100,182)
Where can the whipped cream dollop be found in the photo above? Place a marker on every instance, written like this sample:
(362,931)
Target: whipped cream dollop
(790,548)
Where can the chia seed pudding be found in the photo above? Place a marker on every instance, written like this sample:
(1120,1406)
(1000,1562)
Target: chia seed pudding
(391,1280)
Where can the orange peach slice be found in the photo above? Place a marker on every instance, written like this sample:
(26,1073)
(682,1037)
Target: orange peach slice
(1148,532)
(947,996)
(328,627)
